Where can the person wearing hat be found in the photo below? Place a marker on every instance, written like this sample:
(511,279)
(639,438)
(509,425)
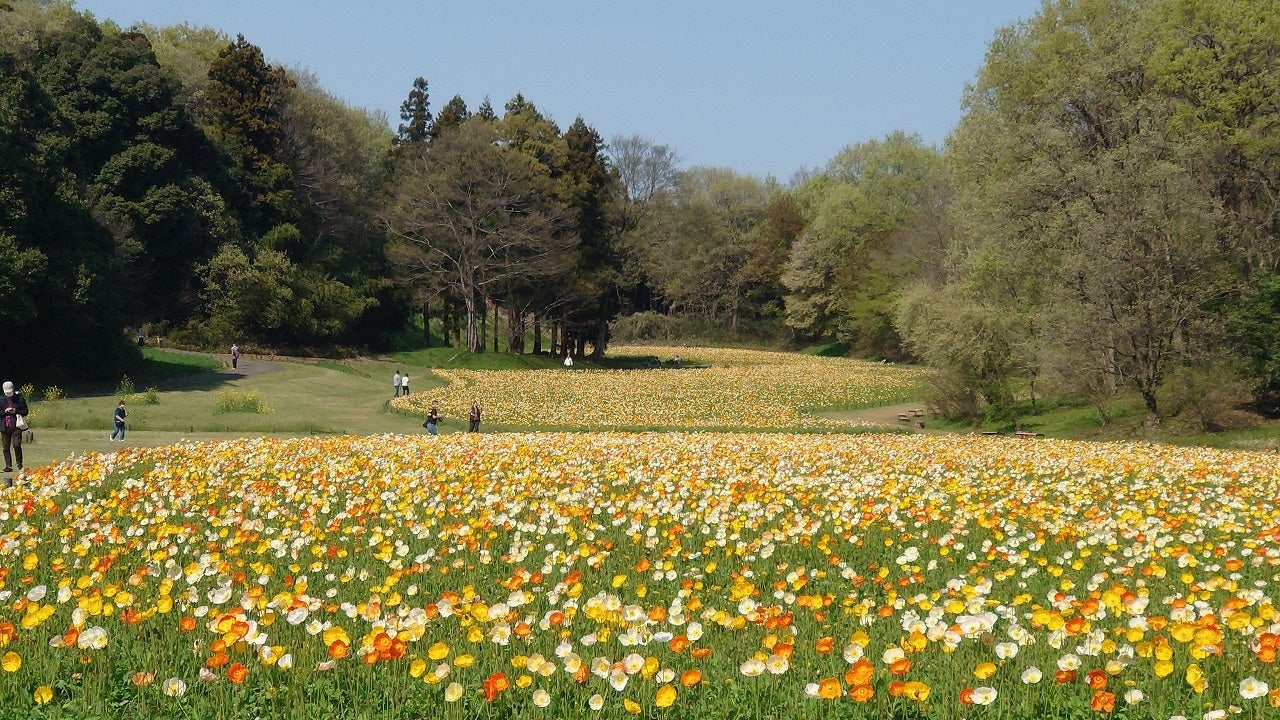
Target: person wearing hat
(13,414)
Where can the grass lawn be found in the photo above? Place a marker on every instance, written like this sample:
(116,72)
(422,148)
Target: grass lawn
(311,397)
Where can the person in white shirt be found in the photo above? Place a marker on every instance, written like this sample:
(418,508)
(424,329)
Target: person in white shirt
(404,384)
(395,384)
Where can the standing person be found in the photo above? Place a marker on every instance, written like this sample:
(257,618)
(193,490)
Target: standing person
(14,408)
(568,361)
(404,384)
(235,356)
(433,418)
(395,384)
(120,415)
(473,417)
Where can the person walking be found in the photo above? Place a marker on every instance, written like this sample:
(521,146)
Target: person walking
(120,415)
(14,421)
(433,418)
(395,384)
(473,417)
(404,384)
(235,356)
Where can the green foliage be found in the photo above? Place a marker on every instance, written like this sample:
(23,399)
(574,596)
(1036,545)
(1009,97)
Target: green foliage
(1101,217)
(415,115)
(53,392)
(1210,395)
(873,224)
(1254,332)
(267,298)
(652,327)
(125,386)
(232,401)
(150,396)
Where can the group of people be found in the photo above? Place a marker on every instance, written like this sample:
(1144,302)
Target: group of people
(434,417)
(400,384)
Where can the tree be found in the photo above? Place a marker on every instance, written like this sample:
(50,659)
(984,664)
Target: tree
(453,114)
(1085,180)
(244,101)
(415,115)
(873,221)
(469,215)
(645,168)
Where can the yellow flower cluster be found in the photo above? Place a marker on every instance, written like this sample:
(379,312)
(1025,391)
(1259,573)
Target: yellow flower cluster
(627,573)
(723,389)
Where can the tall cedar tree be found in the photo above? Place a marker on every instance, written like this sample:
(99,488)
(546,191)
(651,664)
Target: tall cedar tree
(244,102)
(415,114)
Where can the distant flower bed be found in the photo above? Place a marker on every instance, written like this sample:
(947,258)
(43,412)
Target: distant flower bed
(478,576)
(728,389)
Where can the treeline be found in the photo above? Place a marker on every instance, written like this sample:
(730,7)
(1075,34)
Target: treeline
(1103,219)
(173,179)
(174,182)
(1113,222)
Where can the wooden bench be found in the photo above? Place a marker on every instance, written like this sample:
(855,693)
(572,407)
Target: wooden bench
(917,413)
(990,432)
(904,417)
(1026,434)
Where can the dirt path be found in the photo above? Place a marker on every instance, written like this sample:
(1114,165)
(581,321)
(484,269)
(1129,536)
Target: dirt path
(883,416)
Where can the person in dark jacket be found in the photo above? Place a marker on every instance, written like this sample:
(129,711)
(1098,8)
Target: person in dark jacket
(120,419)
(473,417)
(433,418)
(12,407)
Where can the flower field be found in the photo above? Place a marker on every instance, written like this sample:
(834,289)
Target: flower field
(735,389)
(655,575)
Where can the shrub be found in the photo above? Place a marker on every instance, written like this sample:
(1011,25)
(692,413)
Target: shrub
(125,386)
(1209,396)
(150,396)
(231,401)
(28,390)
(53,392)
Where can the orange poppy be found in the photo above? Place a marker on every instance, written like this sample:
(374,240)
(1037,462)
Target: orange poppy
(825,645)
(860,673)
(700,653)
(1103,701)
(862,693)
(237,673)
(829,688)
(495,684)
(689,678)
(339,650)
(900,666)
(1097,679)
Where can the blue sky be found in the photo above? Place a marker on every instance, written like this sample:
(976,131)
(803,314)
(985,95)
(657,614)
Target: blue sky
(761,87)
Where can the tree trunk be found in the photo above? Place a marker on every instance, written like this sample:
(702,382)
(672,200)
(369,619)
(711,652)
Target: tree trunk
(495,327)
(475,321)
(537,334)
(426,323)
(515,331)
